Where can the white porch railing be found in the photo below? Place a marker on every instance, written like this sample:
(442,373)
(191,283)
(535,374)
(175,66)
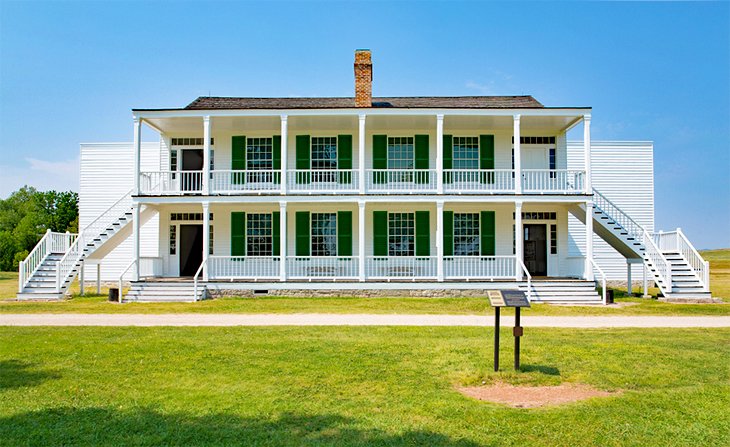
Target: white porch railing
(401,267)
(602,203)
(227,181)
(602,275)
(323,180)
(322,267)
(478,180)
(171,182)
(552,181)
(67,264)
(677,241)
(401,180)
(479,267)
(243,267)
(51,242)
(662,267)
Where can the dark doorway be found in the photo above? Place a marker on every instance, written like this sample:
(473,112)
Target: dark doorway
(191,249)
(536,249)
(192,160)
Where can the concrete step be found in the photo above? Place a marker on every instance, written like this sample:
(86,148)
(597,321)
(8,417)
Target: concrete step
(39,296)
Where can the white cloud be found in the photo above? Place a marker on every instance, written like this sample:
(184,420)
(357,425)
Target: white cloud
(484,89)
(41,174)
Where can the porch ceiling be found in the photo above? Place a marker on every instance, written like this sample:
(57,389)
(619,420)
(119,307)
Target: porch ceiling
(193,126)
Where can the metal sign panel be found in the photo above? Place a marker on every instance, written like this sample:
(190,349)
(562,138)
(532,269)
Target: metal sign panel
(507,298)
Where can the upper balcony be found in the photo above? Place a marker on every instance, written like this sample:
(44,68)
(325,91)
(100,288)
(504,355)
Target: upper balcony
(363,153)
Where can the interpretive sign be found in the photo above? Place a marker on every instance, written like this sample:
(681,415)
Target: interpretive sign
(507,298)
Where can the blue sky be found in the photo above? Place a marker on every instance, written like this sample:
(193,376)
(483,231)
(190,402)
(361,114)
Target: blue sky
(71,71)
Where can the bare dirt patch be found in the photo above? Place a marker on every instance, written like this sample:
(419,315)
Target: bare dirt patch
(533,396)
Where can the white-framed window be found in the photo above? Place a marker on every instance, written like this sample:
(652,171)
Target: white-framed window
(465,153)
(324,153)
(553,239)
(324,234)
(259,234)
(401,153)
(466,234)
(401,234)
(259,154)
(211,242)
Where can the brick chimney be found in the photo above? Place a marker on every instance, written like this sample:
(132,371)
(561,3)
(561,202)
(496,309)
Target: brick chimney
(363,79)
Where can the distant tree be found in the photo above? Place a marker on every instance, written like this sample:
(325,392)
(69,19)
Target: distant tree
(27,214)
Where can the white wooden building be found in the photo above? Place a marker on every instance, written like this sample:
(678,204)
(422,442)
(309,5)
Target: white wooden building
(402,195)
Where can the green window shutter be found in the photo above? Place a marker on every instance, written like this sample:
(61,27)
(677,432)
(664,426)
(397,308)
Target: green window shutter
(380,158)
(486,157)
(302,233)
(238,233)
(275,234)
(276,158)
(380,233)
(423,234)
(344,233)
(303,161)
(448,158)
(421,155)
(344,157)
(448,233)
(238,159)
(487,230)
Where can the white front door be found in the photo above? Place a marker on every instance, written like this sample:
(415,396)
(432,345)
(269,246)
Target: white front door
(535,158)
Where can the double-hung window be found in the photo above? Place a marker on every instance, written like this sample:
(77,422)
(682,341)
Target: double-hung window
(401,157)
(260,157)
(259,234)
(401,234)
(324,158)
(466,234)
(465,158)
(324,234)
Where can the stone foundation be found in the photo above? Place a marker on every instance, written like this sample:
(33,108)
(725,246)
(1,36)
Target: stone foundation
(365,293)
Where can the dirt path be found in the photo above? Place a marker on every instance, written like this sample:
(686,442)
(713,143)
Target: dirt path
(354,320)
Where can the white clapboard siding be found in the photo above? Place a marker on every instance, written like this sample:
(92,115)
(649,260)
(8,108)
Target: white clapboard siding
(106,174)
(623,171)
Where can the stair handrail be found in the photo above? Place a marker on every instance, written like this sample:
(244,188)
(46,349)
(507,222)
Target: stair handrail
(604,204)
(96,222)
(662,267)
(529,278)
(28,266)
(65,266)
(195,279)
(694,259)
(121,277)
(603,280)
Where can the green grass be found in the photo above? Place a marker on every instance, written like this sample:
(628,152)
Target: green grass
(341,386)
(720,283)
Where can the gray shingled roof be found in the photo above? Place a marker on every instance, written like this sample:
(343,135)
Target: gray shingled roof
(407,102)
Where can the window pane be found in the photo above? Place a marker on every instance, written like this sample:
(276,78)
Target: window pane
(324,234)
(466,234)
(259,154)
(401,234)
(324,152)
(401,153)
(258,235)
(466,153)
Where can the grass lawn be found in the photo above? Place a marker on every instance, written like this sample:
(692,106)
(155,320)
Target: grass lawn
(342,386)
(720,282)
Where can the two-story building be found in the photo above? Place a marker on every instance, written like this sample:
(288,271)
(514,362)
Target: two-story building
(414,195)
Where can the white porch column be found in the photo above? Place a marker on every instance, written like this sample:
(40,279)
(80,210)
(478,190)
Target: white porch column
(440,154)
(589,241)
(282,241)
(284,151)
(628,277)
(587,151)
(519,240)
(81,278)
(135,241)
(361,151)
(137,152)
(206,239)
(440,240)
(361,239)
(98,278)
(646,281)
(206,156)
(518,155)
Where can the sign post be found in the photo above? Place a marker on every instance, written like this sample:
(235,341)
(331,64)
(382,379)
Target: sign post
(507,298)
